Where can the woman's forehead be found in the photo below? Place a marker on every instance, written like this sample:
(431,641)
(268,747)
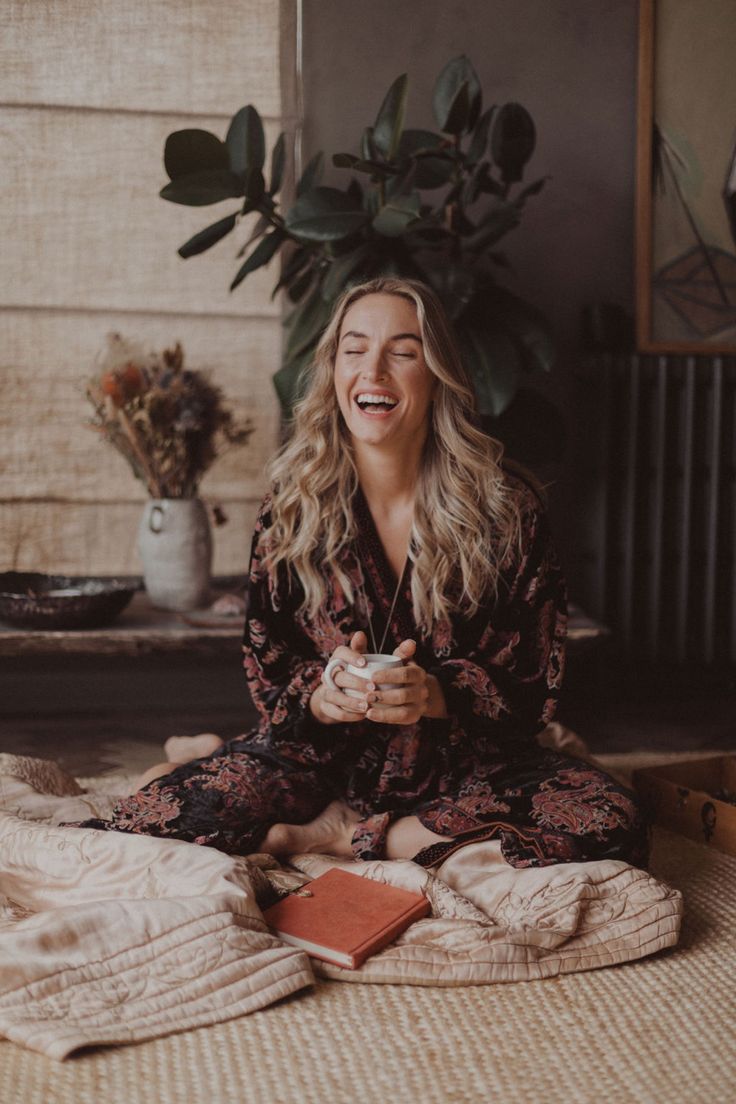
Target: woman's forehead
(378,310)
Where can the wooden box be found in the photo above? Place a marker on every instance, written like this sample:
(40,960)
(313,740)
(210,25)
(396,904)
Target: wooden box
(682,797)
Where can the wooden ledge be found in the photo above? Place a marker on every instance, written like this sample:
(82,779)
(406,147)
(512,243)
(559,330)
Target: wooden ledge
(143,630)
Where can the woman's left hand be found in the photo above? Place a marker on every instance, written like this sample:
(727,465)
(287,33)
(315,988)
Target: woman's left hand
(413,693)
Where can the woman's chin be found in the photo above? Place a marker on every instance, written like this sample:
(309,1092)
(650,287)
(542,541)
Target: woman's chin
(372,434)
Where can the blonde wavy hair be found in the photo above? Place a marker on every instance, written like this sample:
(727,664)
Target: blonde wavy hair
(467,517)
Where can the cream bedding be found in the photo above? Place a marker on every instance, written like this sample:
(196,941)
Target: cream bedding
(114,938)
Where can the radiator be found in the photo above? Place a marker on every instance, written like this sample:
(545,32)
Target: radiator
(658,487)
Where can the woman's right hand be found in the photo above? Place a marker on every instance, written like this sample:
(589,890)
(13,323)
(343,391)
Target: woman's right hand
(333,706)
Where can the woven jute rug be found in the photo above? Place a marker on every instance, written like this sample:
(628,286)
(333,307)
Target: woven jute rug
(656,1031)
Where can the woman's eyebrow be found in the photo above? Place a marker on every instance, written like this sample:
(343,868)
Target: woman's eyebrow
(394,337)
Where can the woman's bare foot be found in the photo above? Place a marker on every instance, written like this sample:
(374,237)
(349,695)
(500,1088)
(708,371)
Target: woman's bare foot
(330,834)
(183,749)
(180,750)
(158,771)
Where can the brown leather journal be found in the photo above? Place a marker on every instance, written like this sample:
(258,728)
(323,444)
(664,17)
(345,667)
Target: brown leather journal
(344,918)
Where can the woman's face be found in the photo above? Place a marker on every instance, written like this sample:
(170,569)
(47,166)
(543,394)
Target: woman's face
(380,357)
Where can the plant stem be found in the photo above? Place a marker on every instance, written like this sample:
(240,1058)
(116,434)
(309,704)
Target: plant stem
(154,487)
(274,219)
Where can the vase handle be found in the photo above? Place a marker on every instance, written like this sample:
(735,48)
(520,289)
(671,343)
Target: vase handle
(156,519)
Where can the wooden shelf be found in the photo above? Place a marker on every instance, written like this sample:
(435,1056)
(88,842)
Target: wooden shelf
(138,630)
(142,630)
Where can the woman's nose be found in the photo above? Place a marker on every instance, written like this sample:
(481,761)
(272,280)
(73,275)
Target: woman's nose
(374,365)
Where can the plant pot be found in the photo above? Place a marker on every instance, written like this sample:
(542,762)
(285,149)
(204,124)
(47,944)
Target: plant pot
(175,546)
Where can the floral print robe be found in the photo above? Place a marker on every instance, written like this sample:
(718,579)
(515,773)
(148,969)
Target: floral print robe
(477,774)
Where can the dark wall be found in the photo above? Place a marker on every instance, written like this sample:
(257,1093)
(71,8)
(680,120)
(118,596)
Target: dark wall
(572,63)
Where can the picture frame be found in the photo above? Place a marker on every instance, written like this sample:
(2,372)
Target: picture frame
(686,177)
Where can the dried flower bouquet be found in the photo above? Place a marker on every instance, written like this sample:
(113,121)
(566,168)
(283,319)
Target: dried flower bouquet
(170,423)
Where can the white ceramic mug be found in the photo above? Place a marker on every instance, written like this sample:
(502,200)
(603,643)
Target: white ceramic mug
(374,663)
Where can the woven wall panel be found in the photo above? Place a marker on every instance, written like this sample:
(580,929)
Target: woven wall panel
(86,538)
(88,228)
(45,360)
(205,56)
(88,94)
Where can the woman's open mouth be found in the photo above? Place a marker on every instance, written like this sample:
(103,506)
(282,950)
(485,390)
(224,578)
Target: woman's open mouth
(375,404)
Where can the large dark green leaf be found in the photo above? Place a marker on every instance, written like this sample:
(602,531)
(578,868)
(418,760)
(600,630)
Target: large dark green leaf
(325,214)
(452,105)
(299,288)
(208,237)
(291,381)
(473,185)
(390,119)
(192,151)
(260,228)
(355,191)
(455,285)
(433,171)
(480,182)
(431,233)
(412,141)
(312,174)
(394,217)
(434,165)
(494,363)
(278,163)
(459,113)
(350,161)
(402,184)
(513,137)
(341,269)
(260,256)
(479,142)
(202,188)
(499,221)
(298,259)
(245,141)
(367,146)
(525,325)
(255,186)
(372,201)
(305,323)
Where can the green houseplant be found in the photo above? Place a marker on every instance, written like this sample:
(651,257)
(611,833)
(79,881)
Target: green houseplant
(432,205)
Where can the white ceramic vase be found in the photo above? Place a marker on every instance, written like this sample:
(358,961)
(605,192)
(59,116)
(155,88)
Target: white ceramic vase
(175,546)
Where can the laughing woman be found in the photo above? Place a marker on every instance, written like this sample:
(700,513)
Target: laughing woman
(393,525)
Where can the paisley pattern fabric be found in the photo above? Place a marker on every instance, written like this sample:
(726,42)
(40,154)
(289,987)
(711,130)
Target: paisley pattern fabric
(477,774)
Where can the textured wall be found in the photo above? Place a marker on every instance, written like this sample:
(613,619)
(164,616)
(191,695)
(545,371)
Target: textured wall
(88,92)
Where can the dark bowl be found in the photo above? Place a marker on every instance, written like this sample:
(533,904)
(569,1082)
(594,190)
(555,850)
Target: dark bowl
(31,600)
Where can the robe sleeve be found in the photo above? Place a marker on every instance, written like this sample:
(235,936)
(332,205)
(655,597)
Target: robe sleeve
(505,685)
(282,665)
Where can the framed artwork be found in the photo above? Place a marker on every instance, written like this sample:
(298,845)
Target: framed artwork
(686,177)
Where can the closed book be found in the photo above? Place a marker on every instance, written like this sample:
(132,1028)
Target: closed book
(344,918)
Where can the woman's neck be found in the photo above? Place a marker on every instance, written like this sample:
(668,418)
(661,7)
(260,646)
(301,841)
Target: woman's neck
(387,481)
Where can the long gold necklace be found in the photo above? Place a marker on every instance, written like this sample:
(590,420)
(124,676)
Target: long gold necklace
(376,649)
